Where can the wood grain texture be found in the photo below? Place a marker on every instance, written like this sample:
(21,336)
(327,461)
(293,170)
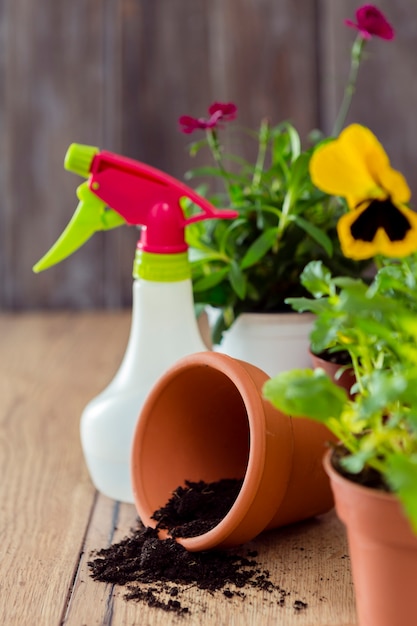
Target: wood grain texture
(46,496)
(308,561)
(118,74)
(51,518)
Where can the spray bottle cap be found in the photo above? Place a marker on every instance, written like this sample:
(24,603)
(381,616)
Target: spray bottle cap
(119,191)
(79,159)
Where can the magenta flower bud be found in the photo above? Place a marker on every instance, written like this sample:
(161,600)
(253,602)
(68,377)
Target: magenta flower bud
(371,22)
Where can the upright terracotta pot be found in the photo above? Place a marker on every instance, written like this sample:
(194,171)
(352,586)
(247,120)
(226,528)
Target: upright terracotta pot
(345,380)
(383,550)
(206,419)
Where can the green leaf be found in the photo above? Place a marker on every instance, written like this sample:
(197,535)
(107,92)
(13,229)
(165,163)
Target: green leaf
(384,387)
(209,281)
(347,282)
(306,393)
(354,463)
(237,280)
(402,478)
(236,193)
(315,233)
(196,146)
(280,168)
(299,174)
(286,141)
(317,278)
(325,332)
(203,255)
(306,304)
(295,141)
(259,248)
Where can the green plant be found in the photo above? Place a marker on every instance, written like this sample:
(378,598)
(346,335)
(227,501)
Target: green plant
(253,263)
(376,323)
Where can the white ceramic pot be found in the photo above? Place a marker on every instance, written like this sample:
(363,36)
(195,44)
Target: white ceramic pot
(274,342)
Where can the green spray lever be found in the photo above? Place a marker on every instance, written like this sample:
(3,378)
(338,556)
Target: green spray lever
(90,216)
(123,191)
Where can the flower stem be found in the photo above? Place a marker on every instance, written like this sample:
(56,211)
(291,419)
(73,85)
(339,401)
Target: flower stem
(355,61)
(214,146)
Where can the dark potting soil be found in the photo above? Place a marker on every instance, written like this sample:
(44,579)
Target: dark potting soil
(340,357)
(158,572)
(368,477)
(198,507)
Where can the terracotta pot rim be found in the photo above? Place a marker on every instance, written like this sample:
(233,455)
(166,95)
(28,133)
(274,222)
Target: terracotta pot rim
(342,480)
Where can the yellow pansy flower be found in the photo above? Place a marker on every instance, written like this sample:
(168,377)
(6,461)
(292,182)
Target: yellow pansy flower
(356,166)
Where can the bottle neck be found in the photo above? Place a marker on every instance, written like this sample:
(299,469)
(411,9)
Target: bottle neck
(165,268)
(163,329)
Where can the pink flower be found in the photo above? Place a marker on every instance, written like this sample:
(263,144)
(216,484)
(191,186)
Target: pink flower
(371,21)
(228,110)
(217,111)
(190,124)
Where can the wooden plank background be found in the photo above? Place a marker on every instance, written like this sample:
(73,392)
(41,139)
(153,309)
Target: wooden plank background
(119,73)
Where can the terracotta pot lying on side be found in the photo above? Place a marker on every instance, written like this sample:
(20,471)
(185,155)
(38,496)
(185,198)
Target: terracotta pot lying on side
(206,419)
(383,550)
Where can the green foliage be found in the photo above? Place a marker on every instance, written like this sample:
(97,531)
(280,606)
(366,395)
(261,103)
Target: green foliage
(377,324)
(293,388)
(254,262)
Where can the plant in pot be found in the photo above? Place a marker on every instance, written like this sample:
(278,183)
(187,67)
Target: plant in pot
(334,327)
(373,468)
(252,264)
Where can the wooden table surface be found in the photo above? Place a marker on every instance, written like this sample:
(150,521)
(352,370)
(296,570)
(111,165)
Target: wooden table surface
(51,517)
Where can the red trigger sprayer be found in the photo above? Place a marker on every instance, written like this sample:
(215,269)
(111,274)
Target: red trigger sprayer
(120,191)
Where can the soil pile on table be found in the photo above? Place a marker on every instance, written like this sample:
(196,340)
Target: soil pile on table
(157,571)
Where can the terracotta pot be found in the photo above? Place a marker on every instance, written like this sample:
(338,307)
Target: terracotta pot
(383,550)
(206,419)
(275,342)
(345,380)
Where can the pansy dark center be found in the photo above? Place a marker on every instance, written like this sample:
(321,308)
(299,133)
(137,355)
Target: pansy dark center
(380,214)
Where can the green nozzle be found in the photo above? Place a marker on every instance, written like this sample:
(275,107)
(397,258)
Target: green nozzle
(90,217)
(79,159)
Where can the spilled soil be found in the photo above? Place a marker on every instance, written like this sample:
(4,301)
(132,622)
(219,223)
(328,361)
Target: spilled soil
(159,572)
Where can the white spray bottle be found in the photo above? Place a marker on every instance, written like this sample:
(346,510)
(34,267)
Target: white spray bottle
(163,327)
